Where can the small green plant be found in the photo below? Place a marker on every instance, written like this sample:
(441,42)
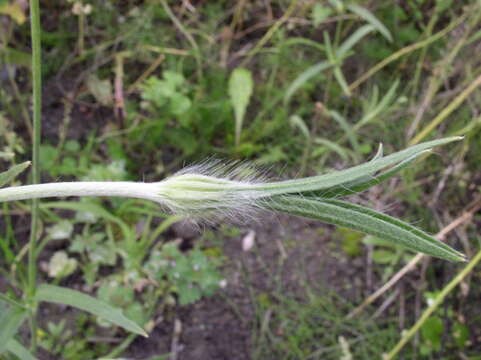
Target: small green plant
(191,275)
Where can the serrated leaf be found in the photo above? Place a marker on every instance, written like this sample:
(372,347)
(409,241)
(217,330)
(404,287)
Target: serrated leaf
(61,295)
(19,350)
(368,221)
(11,319)
(241,86)
(13,172)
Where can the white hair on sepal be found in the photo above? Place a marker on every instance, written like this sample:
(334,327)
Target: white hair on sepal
(235,170)
(215,190)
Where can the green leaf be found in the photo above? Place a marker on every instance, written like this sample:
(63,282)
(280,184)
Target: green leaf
(371,19)
(11,318)
(352,40)
(362,219)
(320,13)
(304,77)
(19,350)
(240,90)
(432,332)
(12,173)
(16,57)
(101,90)
(92,208)
(61,295)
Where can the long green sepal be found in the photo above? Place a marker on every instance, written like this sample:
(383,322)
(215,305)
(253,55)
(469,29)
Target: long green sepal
(338,178)
(364,220)
(361,184)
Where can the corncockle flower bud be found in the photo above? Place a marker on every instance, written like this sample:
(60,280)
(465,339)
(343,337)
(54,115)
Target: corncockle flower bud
(235,190)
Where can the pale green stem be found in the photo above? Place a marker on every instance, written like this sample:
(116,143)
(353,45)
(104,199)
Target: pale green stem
(37,105)
(138,190)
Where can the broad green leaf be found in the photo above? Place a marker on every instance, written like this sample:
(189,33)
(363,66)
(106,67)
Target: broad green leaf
(11,318)
(365,220)
(19,350)
(304,77)
(61,295)
(12,173)
(371,19)
(241,86)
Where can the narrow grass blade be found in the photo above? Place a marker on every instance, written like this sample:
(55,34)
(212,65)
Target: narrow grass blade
(19,350)
(11,320)
(365,220)
(332,146)
(383,105)
(61,295)
(371,19)
(304,77)
(13,172)
(352,40)
(351,135)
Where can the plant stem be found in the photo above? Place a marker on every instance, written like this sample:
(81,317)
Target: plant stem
(428,312)
(37,104)
(453,105)
(108,188)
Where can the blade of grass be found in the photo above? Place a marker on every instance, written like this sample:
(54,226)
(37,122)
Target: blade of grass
(406,50)
(435,304)
(12,319)
(453,105)
(353,40)
(371,19)
(13,172)
(37,105)
(19,350)
(305,76)
(61,295)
